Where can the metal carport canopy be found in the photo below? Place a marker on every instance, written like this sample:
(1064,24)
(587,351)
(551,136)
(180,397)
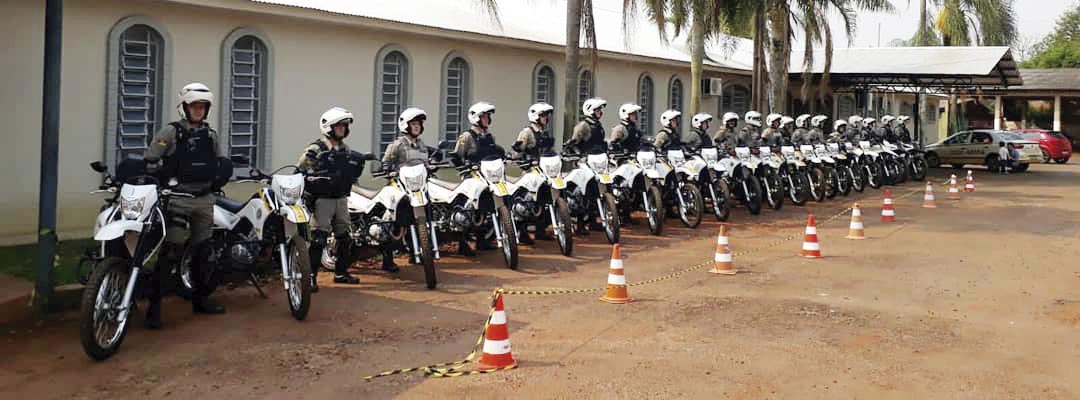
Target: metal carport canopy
(915,67)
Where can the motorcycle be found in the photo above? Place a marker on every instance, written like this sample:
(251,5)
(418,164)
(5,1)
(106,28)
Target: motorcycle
(591,183)
(848,176)
(740,176)
(832,177)
(478,203)
(768,171)
(793,173)
(539,196)
(891,163)
(130,230)
(636,187)
(872,164)
(914,161)
(716,187)
(816,173)
(681,186)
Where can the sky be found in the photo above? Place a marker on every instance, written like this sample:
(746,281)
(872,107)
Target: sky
(1035,19)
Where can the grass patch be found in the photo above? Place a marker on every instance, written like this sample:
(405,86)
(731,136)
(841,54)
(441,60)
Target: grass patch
(21,261)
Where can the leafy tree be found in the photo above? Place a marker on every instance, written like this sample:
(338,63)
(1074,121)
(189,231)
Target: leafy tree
(1060,49)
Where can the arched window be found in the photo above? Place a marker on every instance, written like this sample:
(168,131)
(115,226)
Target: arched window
(544,84)
(645,100)
(585,86)
(456,82)
(736,99)
(675,94)
(138,69)
(391,94)
(245,80)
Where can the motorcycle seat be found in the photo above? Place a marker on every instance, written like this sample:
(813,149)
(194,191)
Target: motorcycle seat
(228,204)
(444,184)
(363,191)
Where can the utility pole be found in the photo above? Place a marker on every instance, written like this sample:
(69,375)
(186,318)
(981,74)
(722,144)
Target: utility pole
(50,148)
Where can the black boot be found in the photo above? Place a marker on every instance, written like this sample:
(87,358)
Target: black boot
(464,249)
(388,261)
(541,233)
(523,235)
(153,315)
(315,259)
(205,305)
(341,266)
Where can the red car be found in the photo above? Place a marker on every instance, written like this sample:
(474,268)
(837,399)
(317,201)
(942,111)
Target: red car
(1055,146)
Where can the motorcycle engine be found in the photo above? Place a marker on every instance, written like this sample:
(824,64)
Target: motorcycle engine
(463,218)
(524,208)
(244,253)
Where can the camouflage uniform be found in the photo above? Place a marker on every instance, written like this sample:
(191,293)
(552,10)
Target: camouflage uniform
(726,138)
(815,136)
(199,210)
(770,137)
(587,134)
(403,150)
(800,136)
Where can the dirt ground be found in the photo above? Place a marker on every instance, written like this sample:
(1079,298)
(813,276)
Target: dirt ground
(977,299)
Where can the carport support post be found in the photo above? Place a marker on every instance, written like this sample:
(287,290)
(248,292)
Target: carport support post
(997,112)
(1057,113)
(50,148)
(918,121)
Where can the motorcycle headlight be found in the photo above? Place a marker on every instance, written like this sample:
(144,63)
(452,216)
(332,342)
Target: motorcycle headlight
(291,196)
(677,157)
(551,166)
(493,171)
(132,208)
(710,155)
(646,159)
(598,163)
(413,177)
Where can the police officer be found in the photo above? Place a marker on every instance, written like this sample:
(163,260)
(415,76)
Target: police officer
(871,131)
(887,127)
(771,136)
(477,142)
(839,133)
(326,163)
(534,140)
(668,136)
(816,134)
(697,137)
(787,129)
(589,134)
(727,136)
(187,151)
(750,135)
(854,129)
(801,132)
(902,130)
(407,147)
(626,136)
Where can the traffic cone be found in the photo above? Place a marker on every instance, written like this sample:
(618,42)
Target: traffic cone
(497,353)
(723,263)
(855,229)
(888,213)
(954,192)
(969,185)
(616,281)
(810,247)
(928,198)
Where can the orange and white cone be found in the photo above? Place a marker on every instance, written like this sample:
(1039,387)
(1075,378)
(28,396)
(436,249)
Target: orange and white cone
(954,191)
(928,198)
(722,262)
(616,280)
(810,247)
(969,185)
(855,229)
(888,213)
(497,353)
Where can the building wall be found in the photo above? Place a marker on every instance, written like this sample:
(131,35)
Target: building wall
(315,66)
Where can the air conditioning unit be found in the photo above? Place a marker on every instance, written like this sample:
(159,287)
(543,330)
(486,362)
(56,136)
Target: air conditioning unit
(712,86)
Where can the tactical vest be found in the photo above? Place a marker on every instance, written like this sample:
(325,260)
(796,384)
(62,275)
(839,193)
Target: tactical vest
(485,147)
(596,136)
(544,143)
(194,158)
(342,166)
(632,141)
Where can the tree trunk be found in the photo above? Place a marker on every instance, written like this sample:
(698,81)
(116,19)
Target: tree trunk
(757,88)
(778,55)
(697,60)
(573,58)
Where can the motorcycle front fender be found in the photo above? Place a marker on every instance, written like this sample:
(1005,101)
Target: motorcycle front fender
(296,214)
(418,199)
(116,229)
(500,189)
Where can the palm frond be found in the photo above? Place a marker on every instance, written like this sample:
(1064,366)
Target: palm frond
(491,8)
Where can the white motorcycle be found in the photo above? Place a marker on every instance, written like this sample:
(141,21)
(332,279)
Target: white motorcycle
(130,229)
(681,182)
(740,175)
(816,172)
(832,177)
(871,163)
(716,189)
(841,176)
(591,184)
(477,204)
(768,171)
(793,173)
(637,187)
(539,192)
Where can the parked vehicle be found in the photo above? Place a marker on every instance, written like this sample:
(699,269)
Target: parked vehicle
(680,184)
(539,199)
(793,172)
(981,147)
(637,187)
(740,177)
(714,188)
(1055,146)
(478,204)
(591,184)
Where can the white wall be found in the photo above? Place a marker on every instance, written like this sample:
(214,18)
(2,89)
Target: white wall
(316,65)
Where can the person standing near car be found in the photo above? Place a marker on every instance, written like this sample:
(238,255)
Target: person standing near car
(326,164)
(1003,157)
(187,151)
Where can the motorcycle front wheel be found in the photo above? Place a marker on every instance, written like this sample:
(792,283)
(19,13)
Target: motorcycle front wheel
(427,256)
(799,192)
(299,266)
(509,238)
(610,216)
(832,184)
(816,177)
(654,202)
(564,231)
(918,169)
(873,174)
(100,329)
(773,189)
(690,212)
(752,195)
(720,195)
(855,174)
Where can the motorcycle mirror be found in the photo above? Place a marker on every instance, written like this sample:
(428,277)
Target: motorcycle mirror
(98,166)
(239,159)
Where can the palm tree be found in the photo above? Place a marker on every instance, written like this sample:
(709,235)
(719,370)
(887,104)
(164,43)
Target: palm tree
(966,23)
(579,20)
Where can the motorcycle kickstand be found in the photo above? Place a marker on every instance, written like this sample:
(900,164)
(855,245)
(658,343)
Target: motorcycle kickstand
(255,283)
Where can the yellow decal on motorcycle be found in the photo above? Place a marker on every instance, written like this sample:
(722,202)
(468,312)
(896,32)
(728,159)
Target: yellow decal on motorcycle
(299,213)
(500,189)
(605,178)
(536,170)
(418,198)
(559,183)
(476,175)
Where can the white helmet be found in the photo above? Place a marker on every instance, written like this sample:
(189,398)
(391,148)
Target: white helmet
(818,120)
(836,125)
(592,105)
(753,118)
(772,118)
(887,120)
(701,118)
(868,122)
(332,117)
(800,121)
(538,109)
(730,116)
(479,109)
(410,114)
(193,93)
(668,116)
(626,109)
(903,118)
(854,120)
(786,120)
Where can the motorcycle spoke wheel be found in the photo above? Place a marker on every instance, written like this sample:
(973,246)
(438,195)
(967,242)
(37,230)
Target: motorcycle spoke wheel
(100,329)
(691,213)
(654,213)
(564,232)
